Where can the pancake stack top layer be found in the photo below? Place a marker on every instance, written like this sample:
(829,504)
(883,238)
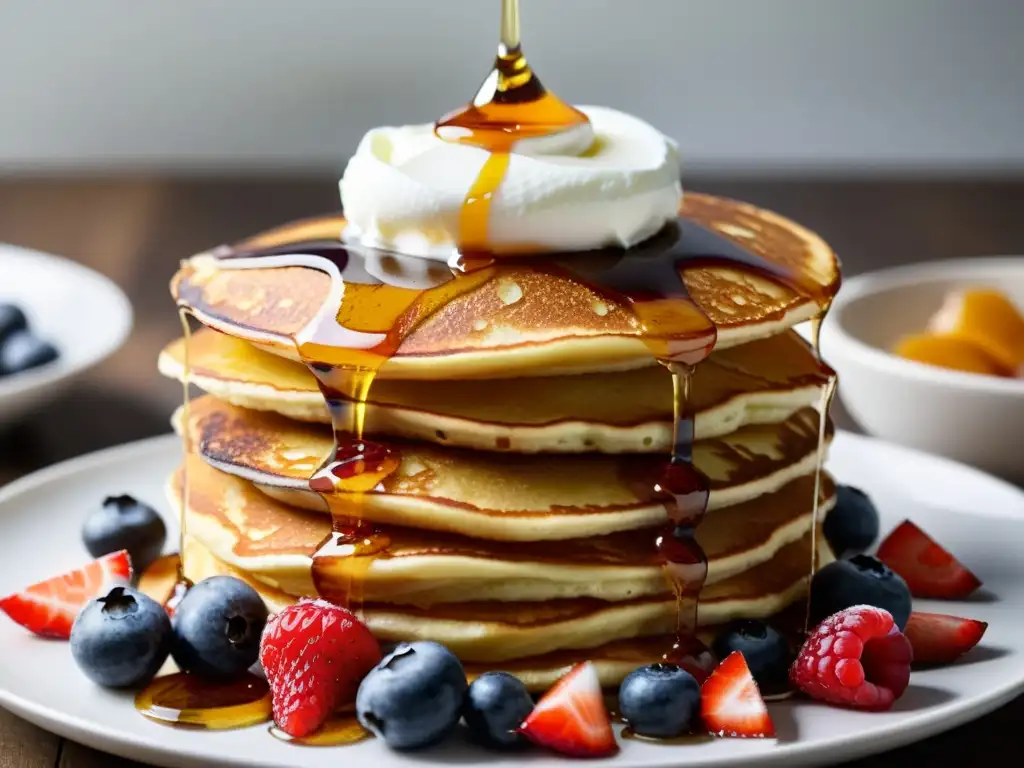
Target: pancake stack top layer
(523,425)
(748,272)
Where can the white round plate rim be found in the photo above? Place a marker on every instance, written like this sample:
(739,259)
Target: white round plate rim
(185,748)
(101,344)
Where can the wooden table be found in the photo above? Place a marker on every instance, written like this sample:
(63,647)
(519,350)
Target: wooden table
(136,229)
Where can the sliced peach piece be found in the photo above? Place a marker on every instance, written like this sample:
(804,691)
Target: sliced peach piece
(988,319)
(949,352)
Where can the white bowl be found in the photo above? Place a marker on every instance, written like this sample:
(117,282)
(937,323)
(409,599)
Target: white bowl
(77,310)
(973,418)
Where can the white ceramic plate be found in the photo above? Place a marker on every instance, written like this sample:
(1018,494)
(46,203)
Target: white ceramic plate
(77,310)
(39,525)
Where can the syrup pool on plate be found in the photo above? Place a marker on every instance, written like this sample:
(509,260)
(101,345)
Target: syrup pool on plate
(186,700)
(341,730)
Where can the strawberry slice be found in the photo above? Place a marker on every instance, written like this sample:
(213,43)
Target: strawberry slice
(571,718)
(50,607)
(314,654)
(731,704)
(939,639)
(928,568)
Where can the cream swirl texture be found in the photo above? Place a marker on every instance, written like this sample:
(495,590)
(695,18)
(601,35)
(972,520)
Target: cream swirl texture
(614,183)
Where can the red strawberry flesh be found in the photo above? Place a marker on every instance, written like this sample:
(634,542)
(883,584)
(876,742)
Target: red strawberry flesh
(927,567)
(938,638)
(731,704)
(855,658)
(571,718)
(314,654)
(50,608)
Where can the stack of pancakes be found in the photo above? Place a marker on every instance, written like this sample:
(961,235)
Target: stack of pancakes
(528,418)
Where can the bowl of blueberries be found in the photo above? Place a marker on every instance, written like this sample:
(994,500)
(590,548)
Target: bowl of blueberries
(57,319)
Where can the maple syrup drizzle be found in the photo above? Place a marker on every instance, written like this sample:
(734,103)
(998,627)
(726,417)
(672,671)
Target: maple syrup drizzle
(185,700)
(828,393)
(183,584)
(510,107)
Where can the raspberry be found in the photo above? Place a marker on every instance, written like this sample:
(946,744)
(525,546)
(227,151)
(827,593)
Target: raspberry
(855,658)
(314,654)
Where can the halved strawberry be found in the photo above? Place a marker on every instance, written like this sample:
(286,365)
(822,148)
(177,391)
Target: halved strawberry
(939,639)
(50,607)
(571,718)
(731,704)
(315,655)
(928,568)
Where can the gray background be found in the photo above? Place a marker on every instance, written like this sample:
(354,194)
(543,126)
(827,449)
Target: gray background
(751,85)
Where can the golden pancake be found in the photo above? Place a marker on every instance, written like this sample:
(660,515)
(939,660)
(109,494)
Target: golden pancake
(500,631)
(513,319)
(502,496)
(275,543)
(630,411)
(613,661)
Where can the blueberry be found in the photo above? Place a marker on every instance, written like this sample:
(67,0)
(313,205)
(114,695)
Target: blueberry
(122,639)
(861,580)
(765,650)
(21,351)
(852,526)
(121,522)
(12,319)
(496,704)
(217,628)
(413,697)
(660,700)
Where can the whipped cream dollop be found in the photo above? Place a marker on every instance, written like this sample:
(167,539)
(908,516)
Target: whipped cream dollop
(612,183)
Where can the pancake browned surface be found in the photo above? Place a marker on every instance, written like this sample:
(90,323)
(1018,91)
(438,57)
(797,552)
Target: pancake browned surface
(631,411)
(275,543)
(613,660)
(494,632)
(499,496)
(520,321)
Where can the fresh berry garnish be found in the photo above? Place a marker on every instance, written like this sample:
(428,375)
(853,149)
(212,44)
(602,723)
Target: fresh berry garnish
(571,718)
(764,649)
(659,700)
(22,350)
(852,526)
(731,704)
(856,658)
(928,568)
(861,580)
(940,639)
(413,697)
(496,705)
(121,639)
(12,319)
(50,607)
(314,655)
(217,628)
(121,522)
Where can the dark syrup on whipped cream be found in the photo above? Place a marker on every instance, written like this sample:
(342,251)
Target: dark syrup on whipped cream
(366,318)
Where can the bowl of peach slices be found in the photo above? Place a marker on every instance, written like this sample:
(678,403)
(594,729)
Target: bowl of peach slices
(932,356)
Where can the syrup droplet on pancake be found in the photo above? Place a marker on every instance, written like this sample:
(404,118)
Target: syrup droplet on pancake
(188,701)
